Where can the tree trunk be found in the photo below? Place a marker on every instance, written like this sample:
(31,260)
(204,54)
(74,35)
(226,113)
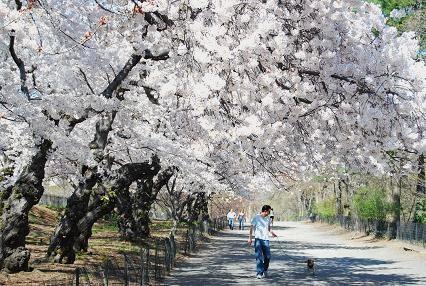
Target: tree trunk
(190,209)
(77,204)
(396,215)
(74,230)
(117,189)
(62,239)
(144,198)
(19,200)
(421,187)
(176,204)
(100,205)
(204,207)
(396,186)
(126,221)
(142,205)
(196,207)
(421,190)
(174,228)
(339,204)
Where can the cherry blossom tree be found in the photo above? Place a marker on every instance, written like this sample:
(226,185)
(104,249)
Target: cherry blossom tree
(238,95)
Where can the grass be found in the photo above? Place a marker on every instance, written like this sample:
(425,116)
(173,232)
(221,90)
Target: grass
(159,225)
(55,209)
(104,244)
(104,226)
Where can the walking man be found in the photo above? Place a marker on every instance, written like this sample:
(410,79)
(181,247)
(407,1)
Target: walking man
(261,224)
(231,216)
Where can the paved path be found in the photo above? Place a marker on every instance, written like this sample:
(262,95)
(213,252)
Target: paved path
(227,260)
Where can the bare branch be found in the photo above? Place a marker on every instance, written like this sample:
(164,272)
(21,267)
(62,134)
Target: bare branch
(104,8)
(161,57)
(86,80)
(131,63)
(20,65)
(18,5)
(150,94)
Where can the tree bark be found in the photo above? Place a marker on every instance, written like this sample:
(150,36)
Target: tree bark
(339,204)
(421,186)
(126,220)
(196,207)
(421,190)
(396,215)
(204,207)
(396,187)
(144,198)
(74,230)
(61,241)
(102,202)
(18,200)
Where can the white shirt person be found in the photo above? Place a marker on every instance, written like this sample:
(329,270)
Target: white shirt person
(261,224)
(231,217)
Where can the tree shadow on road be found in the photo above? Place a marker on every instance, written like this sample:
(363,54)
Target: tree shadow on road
(228,260)
(290,268)
(275,227)
(299,246)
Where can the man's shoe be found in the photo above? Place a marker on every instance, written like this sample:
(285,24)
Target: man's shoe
(259,276)
(265,274)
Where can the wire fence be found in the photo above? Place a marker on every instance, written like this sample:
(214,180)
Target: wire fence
(53,200)
(153,263)
(148,266)
(411,232)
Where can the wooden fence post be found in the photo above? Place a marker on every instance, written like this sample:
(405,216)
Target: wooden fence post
(187,241)
(147,265)
(167,254)
(173,250)
(142,268)
(157,260)
(77,276)
(104,274)
(126,273)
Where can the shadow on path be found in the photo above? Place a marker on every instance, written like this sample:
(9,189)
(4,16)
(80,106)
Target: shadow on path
(228,260)
(290,269)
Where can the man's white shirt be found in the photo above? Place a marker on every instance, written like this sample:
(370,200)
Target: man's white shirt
(231,215)
(261,226)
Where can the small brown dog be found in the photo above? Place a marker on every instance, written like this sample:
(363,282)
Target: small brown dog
(310,266)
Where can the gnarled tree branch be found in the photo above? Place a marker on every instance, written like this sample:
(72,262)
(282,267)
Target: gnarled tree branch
(19,63)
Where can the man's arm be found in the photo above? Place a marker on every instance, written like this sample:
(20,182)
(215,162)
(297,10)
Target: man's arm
(250,235)
(270,230)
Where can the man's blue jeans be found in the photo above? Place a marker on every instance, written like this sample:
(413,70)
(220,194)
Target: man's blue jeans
(263,255)
(231,223)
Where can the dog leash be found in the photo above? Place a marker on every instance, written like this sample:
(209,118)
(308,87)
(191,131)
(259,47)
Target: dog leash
(279,242)
(282,251)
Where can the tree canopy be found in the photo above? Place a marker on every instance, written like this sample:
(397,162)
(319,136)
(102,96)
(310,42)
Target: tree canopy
(233,89)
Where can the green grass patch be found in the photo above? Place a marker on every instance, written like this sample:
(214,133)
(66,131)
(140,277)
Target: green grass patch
(159,225)
(105,226)
(55,208)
